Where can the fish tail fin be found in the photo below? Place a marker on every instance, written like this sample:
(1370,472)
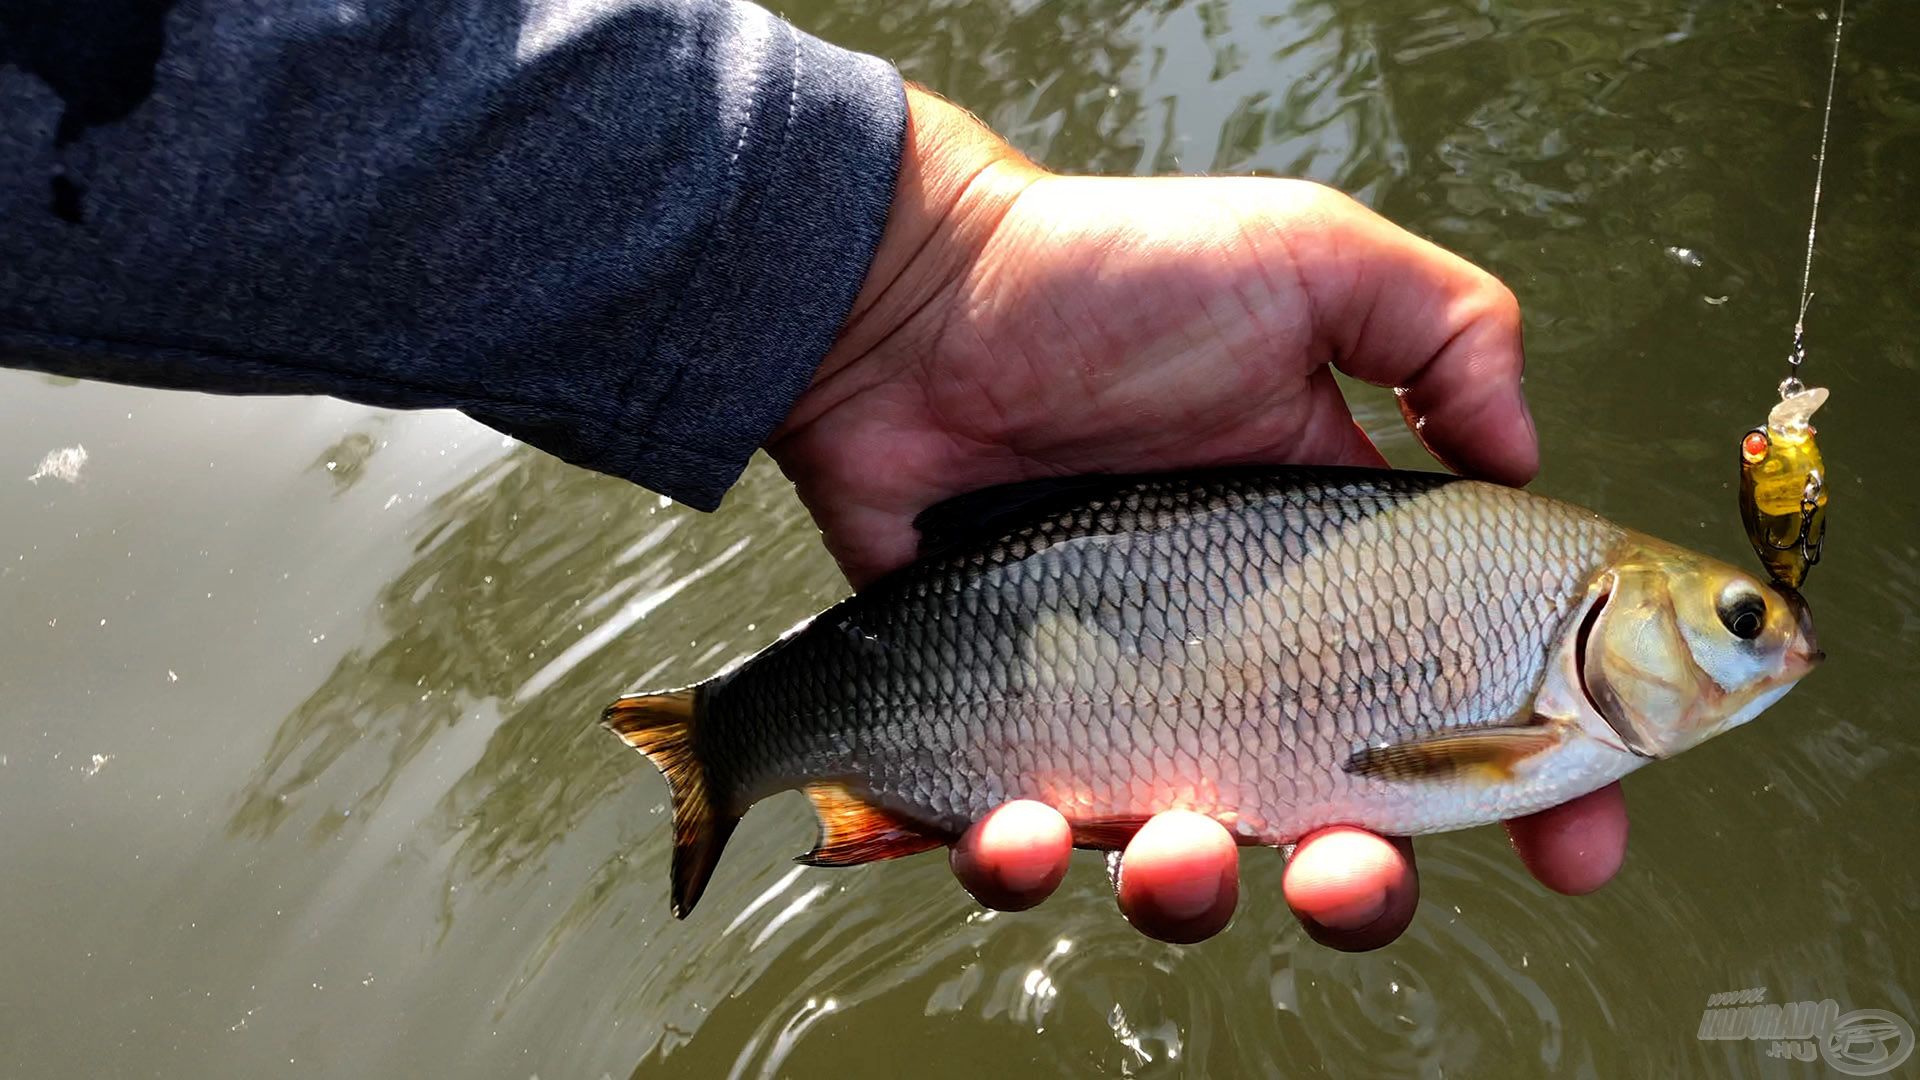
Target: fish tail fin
(661,726)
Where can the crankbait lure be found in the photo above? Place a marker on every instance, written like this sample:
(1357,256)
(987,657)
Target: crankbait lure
(1783,487)
(1783,482)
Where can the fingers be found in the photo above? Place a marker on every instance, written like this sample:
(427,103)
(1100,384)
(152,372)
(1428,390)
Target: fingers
(1398,311)
(1014,857)
(1576,847)
(1179,878)
(1351,889)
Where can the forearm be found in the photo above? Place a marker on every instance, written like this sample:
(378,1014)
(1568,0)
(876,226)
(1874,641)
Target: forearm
(627,237)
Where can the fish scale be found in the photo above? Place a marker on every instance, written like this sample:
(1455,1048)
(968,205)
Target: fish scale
(1152,623)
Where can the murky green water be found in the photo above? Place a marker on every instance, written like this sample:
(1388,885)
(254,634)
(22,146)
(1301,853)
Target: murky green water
(298,774)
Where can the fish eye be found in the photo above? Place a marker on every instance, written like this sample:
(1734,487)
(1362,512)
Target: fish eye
(1743,611)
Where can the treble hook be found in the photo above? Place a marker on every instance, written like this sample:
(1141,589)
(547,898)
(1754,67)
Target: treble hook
(1805,543)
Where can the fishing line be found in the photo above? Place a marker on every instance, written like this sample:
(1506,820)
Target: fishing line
(1798,355)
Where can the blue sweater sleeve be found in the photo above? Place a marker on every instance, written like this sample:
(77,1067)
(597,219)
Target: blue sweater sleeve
(624,231)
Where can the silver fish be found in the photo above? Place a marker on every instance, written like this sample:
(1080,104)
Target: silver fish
(1281,649)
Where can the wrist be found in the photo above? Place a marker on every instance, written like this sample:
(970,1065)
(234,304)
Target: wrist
(956,181)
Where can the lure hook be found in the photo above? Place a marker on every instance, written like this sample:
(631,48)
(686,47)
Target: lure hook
(1811,537)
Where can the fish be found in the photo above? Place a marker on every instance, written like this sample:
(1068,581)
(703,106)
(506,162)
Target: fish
(1282,649)
(1783,488)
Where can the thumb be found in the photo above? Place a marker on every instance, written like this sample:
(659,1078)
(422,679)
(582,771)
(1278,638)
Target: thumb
(1396,310)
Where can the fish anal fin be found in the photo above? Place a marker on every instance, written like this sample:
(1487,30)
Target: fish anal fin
(1489,754)
(854,831)
(1106,834)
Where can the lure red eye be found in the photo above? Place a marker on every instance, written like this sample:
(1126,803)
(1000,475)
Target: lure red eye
(1754,446)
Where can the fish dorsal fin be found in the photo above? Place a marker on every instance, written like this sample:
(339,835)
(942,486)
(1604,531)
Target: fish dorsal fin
(854,831)
(979,517)
(1489,754)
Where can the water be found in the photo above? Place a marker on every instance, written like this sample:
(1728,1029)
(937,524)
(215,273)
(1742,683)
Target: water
(297,769)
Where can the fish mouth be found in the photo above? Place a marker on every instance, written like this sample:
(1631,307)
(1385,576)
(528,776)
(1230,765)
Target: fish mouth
(1805,653)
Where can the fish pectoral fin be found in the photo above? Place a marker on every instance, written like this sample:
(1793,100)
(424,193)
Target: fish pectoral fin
(854,831)
(1487,754)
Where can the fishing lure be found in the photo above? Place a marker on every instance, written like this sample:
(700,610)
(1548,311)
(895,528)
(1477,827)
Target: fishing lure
(1783,481)
(1783,486)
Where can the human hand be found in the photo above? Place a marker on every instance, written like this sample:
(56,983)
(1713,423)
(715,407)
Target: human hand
(1017,324)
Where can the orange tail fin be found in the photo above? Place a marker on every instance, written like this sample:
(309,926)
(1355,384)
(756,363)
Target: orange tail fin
(661,727)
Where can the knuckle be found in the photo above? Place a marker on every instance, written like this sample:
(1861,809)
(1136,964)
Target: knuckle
(1306,207)
(1495,313)
(1502,308)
